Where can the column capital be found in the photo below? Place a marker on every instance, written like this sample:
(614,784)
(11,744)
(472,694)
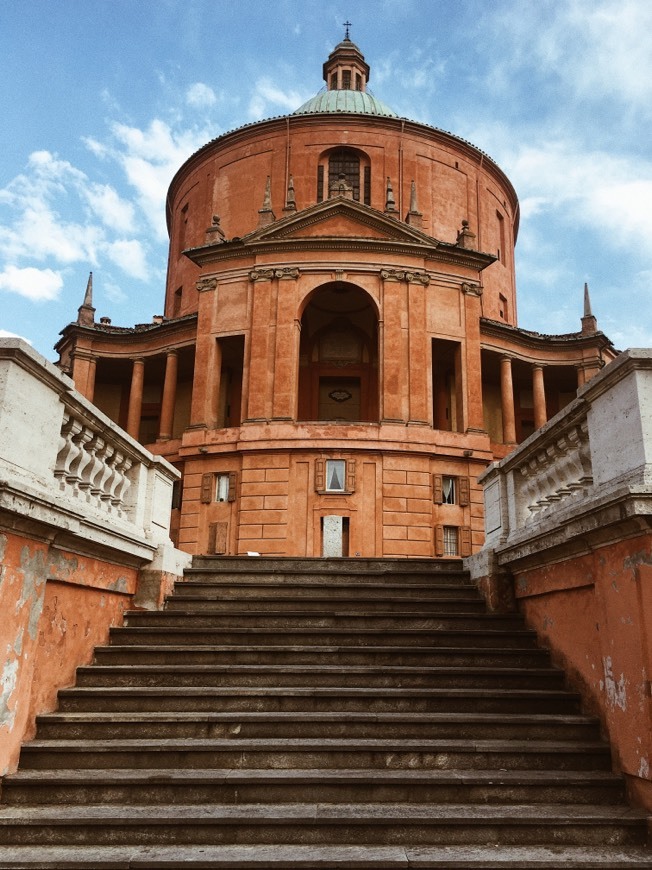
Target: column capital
(472,289)
(404,275)
(204,284)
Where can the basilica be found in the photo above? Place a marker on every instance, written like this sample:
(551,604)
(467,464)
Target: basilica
(339,357)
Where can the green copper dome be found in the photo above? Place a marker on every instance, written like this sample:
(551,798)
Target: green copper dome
(356,102)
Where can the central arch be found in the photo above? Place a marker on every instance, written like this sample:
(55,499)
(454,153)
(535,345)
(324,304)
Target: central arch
(338,358)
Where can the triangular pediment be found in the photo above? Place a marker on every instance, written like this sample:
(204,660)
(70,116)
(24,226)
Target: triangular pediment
(340,218)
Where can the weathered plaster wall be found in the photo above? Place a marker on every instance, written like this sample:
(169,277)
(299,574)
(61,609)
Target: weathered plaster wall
(595,613)
(56,607)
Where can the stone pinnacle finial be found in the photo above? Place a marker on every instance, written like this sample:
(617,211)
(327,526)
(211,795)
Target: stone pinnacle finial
(266,214)
(414,216)
(290,201)
(589,322)
(465,238)
(86,312)
(390,202)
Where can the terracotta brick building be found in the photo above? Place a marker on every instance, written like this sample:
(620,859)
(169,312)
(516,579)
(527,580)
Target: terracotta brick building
(339,356)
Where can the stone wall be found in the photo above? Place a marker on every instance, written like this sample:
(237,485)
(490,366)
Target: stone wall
(84,536)
(568,519)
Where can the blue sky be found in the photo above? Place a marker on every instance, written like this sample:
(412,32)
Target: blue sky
(104,99)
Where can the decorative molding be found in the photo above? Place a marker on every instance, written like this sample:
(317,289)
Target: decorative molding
(402,275)
(267,274)
(206,284)
(472,289)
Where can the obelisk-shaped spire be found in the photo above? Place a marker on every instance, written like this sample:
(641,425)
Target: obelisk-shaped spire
(589,322)
(86,312)
(266,214)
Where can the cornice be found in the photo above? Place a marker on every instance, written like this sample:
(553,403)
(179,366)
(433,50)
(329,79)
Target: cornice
(442,253)
(526,338)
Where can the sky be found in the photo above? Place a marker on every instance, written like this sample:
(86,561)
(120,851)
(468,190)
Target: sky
(103,100)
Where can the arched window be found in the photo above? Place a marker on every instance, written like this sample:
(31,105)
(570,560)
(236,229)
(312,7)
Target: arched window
(346,169)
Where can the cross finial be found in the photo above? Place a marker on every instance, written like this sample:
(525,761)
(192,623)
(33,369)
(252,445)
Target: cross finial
(347,24)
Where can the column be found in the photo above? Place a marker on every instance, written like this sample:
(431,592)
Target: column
(136,397)
(261,375)
(169,396)
(83,373)
(286,350)
(539,396)
(507,399)
(471,416)
(420,359)
(395,348)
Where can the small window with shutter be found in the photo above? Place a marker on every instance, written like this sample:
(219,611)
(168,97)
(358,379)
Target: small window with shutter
(218,487)
(335,475)
(451,490)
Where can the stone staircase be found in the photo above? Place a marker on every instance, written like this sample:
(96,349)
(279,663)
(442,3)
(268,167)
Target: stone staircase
(309,714)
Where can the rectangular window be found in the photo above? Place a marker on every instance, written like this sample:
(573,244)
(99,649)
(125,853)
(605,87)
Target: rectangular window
(448,490)
(334,82)
(221,487)
(503,306)
(218,487)
(501,237)
(451,490)
(450,541)
(358,82)
(346,79)
(367,185)
(335,475)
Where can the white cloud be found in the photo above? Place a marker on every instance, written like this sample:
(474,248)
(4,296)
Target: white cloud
(149,159)
(598,47)
(270,99)
(129,255)
(200,96)
(37,285)
(113,211)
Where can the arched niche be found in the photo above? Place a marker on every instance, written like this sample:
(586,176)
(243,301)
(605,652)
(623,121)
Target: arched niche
(338,357)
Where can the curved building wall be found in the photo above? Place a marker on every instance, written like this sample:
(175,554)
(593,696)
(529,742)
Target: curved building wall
(453,182)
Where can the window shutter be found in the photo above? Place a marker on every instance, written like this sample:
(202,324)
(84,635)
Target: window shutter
(233,481)
(207,481)
(465,541)
(465,490)
(350,475)
(218,534)
(438,489)
(439,540)
(320,475)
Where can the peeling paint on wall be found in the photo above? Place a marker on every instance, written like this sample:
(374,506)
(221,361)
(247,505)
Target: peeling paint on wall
(120,584)
(33,565)
(644,769)
(616,691)
(7,688)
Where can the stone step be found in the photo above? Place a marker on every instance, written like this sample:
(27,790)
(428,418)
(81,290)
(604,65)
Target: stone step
(324,655)
(318,699)
(469,726)
(186,786)
(287,857)
(323,824)
(319,753)
(384,676)
(186,603)
(361,570)
(358,636)
(355,619)
(289,587)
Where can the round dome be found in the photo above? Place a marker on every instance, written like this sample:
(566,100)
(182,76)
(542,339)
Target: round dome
(356,102)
